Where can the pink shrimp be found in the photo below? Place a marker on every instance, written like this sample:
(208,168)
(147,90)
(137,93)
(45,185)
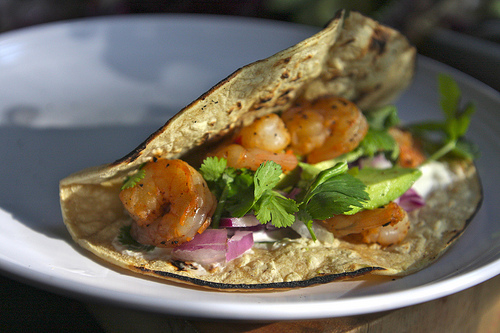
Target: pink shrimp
(386,225)
(263,140)
(325,128)
(410,153)
(267,132)
(239,157)
(170,205)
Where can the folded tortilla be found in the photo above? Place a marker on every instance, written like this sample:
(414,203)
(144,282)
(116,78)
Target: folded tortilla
(353,57)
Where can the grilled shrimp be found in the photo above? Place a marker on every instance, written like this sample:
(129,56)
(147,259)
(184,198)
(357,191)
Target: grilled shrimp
(263,140)
(306,129)
(170,205)
(325,128)
(267,132)
(410,154)
(387,235)
(238,156)
(386,225)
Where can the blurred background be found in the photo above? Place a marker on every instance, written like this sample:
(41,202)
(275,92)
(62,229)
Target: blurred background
(464,34)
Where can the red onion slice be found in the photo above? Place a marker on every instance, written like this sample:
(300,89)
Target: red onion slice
(214,247)
(241,242)
(209,247)
(410,200)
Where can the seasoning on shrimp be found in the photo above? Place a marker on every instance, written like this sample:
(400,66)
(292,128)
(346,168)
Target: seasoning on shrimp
(238,156)
(263,140)
(268,132)
(325,128)
(410,153)
(170,205)
(386,225)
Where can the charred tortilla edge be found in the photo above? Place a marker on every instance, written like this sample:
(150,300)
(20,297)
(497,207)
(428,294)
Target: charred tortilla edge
(322,279)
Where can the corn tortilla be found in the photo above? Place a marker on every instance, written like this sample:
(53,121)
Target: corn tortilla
(353,57)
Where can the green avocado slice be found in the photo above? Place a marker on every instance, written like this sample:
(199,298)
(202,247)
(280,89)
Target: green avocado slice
(385,185)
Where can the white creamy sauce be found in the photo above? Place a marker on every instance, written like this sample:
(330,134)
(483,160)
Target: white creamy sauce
(157,253)
(434,175)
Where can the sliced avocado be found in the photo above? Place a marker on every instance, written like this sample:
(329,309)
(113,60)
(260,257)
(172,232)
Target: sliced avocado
(310,171)
(385,185)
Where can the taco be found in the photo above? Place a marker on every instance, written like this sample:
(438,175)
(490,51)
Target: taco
(206,201)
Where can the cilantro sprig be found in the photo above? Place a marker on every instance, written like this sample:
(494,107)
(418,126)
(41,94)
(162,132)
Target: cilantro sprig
(232,187)
(378,139)
(135,178)
(333,191)
(452,130)
(268,204)
(383,118)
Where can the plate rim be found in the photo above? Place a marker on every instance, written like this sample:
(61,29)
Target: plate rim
(61,286)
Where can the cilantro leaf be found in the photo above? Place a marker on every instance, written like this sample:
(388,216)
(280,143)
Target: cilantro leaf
(132,180)
(275,208)
(242,204)
(466,149)
(336,196)
(232,187)
(334,191)
(266,177)
(213,168)
(325,175)
(304,216)
(450,95)
(383,118)
(453,129)
(269,205)
(126,239)
(379,141)
(239,191)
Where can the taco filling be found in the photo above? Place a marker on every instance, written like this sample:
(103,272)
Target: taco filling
(286,185)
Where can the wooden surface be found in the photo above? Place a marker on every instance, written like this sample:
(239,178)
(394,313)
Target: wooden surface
(476,309)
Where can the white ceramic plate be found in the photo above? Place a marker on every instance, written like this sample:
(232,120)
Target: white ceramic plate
(81,93)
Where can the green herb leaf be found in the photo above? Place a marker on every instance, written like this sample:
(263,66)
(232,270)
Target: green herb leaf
(383,118)
(450,95)
(213,168)
(452,130)
(304,216)
(232,187)
(333,191)
(132,180)
(338,195)
(466,149)
(242,204)
(269,205)
(126,239)
(377,141)
(275,208)
(326,175)
(266,177)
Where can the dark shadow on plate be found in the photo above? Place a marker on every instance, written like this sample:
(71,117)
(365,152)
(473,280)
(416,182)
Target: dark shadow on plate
(34,160)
